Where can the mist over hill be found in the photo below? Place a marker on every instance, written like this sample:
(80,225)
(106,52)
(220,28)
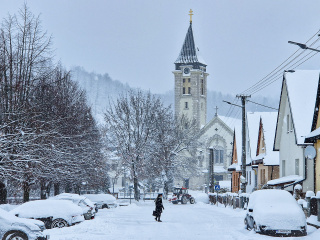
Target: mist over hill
(101,89)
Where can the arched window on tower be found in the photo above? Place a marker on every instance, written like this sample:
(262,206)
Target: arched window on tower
(186,86)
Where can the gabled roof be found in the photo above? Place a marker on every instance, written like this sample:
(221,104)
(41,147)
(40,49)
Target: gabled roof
(189,53)
(253,123)
(301,87)
(269,121)
(216,119)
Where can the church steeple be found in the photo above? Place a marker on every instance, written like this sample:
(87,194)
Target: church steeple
(189,54)
(191,81)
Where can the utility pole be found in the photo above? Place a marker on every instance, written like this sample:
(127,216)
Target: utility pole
(244,154)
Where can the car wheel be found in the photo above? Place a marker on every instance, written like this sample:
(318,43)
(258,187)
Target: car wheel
(105,206)
(192,201)
(59,223)
(184,200)
(17,236)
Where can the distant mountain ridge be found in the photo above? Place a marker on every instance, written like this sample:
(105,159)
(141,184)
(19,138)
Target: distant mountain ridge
(101,89)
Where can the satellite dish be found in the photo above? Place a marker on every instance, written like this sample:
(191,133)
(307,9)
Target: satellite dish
(310,152)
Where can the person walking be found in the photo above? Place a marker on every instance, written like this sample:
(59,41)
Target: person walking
(159,207)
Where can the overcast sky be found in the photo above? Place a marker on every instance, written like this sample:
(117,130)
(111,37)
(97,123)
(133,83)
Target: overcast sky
(138,41)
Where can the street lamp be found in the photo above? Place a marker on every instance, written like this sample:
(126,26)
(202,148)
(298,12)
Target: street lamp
(304,46)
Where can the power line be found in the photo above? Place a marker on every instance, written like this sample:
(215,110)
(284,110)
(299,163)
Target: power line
(269,77)
(262,105)
(277,77)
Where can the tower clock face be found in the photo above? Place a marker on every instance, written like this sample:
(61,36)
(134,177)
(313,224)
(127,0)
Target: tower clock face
(186,70)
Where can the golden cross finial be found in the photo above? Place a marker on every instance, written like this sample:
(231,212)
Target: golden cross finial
(190,13)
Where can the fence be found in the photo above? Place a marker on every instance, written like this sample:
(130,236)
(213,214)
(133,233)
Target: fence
(143,196)
(230,199)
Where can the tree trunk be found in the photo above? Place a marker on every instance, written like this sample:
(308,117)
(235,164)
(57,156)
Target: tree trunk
(26,192)
(3,193)
(136,189)
(77,189)
(48,188)
(135,181)
(43,190)
(68,188)
(56,188)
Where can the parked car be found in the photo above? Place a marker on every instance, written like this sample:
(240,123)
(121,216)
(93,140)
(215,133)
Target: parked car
(87,206)
(275,212)
(181,195)
(102,200)
(54,213)
(13,227)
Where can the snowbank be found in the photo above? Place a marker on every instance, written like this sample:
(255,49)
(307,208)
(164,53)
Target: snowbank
(199,196)
(8,207)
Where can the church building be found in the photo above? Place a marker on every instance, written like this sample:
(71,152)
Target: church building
(216,137)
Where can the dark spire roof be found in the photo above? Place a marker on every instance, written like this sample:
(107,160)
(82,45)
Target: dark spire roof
(189,53)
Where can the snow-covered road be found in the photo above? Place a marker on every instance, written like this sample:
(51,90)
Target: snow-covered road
(199,221)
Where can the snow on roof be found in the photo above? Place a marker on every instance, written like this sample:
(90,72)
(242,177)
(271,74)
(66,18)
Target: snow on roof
(302,88)
(314,133)
(253,122)
(269,122)
(286,179)
(236,125)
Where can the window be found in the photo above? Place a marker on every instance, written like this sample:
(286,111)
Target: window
(184,90)
(189,90)
(188,80)
(186,105)
(250,177)
(296,169)
(184,80)
(288,124)
(202,89)
(283,168)
(218,156)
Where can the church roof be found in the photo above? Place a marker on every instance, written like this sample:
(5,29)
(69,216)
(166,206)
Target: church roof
(189,53)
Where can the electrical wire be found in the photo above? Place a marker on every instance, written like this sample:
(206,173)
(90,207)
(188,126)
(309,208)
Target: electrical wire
(270,77)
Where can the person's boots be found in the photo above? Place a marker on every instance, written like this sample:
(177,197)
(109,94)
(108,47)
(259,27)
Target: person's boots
(159,220)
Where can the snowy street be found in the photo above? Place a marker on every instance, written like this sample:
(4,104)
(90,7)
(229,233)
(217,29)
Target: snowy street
(198,221)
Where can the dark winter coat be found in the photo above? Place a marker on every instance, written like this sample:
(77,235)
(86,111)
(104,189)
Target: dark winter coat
(159,205)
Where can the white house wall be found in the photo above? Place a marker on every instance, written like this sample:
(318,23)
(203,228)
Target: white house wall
(290,151)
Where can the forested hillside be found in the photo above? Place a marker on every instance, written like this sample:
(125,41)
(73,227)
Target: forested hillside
(101,89)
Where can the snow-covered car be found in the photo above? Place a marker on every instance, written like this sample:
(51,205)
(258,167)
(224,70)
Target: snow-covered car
(102,200)
(13,227)
(275,212)
(54,213)
(87,206)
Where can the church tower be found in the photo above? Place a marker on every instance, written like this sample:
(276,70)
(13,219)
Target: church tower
(190,86)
